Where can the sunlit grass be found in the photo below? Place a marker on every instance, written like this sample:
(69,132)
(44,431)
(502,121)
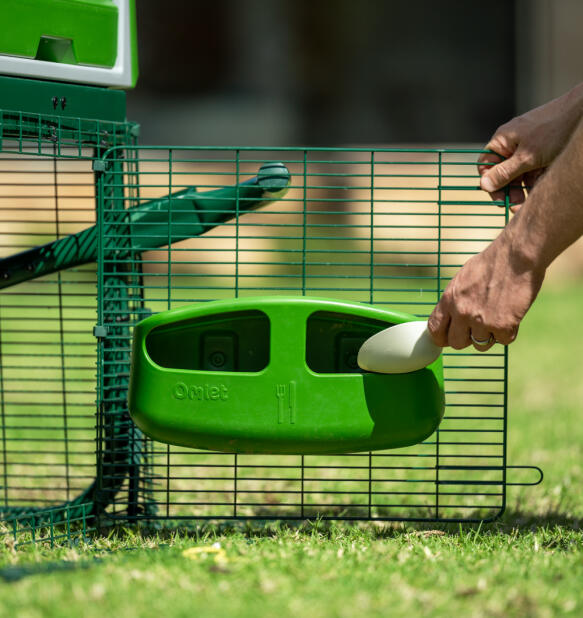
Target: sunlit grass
(528,564)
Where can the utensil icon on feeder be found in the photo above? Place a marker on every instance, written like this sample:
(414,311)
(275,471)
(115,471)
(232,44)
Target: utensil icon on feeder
(281,390)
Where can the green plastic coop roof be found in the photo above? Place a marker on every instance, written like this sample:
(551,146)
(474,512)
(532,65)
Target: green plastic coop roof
(85,35)
(68,31)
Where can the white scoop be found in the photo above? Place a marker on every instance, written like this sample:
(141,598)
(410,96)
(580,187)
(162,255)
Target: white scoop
(399,349)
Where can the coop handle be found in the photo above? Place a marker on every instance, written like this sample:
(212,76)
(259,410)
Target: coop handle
(184,214)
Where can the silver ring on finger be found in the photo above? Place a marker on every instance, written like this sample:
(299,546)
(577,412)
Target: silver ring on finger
(482,342)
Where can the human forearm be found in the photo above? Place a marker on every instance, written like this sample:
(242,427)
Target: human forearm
(551,219)
(528,144)
(487,299)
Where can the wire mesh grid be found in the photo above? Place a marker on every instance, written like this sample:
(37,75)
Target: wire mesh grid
(48,357)
(50,527)
(47,349)
(388,227)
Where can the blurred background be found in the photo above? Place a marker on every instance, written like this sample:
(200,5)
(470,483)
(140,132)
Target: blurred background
(339,72)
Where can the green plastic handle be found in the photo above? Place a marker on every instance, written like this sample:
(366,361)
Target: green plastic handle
(153,224)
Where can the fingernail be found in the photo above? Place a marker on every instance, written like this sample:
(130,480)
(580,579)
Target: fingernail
(487,184)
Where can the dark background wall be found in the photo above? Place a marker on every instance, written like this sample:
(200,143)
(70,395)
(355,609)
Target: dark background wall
(323,72)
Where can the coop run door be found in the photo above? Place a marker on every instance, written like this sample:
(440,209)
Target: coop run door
(48,309)
(181,227)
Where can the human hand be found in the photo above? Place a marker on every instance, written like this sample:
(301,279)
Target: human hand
(487,299)
(526,145)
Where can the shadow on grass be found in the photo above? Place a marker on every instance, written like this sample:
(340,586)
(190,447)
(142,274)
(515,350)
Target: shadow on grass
(14,573)
(514,522)
(553,527)
(525,520)
(555,521)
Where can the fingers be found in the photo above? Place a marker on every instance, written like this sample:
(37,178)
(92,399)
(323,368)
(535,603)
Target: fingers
(505,335)
(518,160)
(438,324)
(504,142)
(459,332)
(481,338)
(486,162)
(502,174)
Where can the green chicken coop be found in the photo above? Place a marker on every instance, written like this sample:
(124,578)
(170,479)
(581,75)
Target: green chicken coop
(179,325)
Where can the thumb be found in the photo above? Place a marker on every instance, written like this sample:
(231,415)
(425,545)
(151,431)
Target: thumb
(503,173)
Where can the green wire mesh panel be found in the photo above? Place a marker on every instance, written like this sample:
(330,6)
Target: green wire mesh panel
(59,526)
(387,227)
(47,348)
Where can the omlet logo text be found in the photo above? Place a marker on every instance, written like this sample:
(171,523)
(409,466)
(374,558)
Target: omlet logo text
(204,392)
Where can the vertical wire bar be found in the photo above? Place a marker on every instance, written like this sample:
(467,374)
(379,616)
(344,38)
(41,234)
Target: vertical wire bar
(235,470)
(370,485)
(100,393)
(302,486)
(169,306)
(371,300)
(39,136)
(59,133)
(52,528)
(371,247)
(438,282)
(438,292)
(2,400)
(3,417)
(62,336)
(68,522)
(304,233)
(98,130)
(84,522)
(79,138)
(505,384)
(237,210)
(144,459)
(167,480)
(169,260)
(134,278)
(304,249)
(133,472)
(150,501)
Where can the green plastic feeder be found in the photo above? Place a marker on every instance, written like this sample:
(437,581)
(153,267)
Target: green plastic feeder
(276,375)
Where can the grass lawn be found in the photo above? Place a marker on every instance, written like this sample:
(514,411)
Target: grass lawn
(530,563)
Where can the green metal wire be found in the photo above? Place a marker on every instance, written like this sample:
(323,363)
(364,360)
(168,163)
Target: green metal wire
(353,228)
(43,143)
(387,226)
